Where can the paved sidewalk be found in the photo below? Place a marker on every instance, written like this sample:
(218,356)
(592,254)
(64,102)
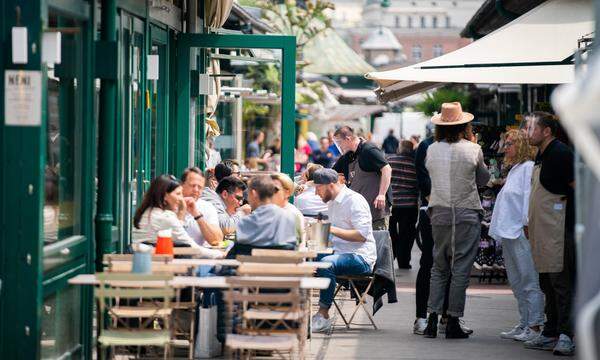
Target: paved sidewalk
(489,310)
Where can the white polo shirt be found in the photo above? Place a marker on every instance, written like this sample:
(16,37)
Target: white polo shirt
(210,216)
(350,211)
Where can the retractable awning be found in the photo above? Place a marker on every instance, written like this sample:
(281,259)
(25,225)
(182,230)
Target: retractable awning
(536,48)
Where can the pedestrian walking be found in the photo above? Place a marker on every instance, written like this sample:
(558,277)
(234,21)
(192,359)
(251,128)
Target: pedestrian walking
(390,143)
(509,219)
(456,167)
(404,203)
(551,233)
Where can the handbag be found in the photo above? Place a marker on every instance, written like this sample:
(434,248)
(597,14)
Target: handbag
(207,345)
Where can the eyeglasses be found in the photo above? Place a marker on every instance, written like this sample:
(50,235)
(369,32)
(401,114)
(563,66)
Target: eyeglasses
(239,197)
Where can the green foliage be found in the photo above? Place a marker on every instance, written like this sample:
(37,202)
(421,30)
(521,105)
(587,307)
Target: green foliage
(265,77)
(253,110)
(433,101)
(303,22)
(253,3)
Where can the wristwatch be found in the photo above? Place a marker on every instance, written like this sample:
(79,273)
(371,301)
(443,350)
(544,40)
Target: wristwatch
(198,217)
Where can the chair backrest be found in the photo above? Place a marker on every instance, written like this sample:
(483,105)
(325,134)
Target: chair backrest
(261,269)
(284,253)
(115,287)
(157,267)
(268,259)
(108,258)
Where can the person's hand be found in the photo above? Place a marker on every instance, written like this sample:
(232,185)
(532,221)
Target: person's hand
(190,205)
(246,209)
(379,202)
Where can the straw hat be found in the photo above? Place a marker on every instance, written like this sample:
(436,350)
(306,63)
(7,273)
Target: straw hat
(452,114)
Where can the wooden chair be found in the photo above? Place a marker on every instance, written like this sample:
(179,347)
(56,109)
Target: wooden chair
(268,259)
(262,269)
(145,289)
(285,253)
(261,321)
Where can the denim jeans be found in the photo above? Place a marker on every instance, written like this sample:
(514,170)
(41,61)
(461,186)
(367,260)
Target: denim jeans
(342,264)
(524,280)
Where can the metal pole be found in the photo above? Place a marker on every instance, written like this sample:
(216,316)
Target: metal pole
(106,143)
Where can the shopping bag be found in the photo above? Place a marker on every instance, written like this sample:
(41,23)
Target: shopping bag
(207,345)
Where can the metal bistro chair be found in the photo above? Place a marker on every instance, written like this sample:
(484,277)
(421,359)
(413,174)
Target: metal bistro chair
(382,243)
(145,289)
(265,321)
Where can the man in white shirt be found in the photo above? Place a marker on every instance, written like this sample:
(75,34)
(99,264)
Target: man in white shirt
(201,221)
(354,247)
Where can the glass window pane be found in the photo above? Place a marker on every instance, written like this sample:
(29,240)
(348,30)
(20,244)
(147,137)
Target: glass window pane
(61,205)
(61,324)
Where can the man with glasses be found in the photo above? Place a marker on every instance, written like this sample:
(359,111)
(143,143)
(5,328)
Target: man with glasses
(367,172)
(201,221)
(230,210)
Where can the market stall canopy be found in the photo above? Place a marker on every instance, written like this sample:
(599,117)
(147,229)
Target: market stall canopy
(328,54)
(217,12)
(536,48)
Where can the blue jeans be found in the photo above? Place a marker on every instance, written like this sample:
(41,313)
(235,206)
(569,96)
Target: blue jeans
(343,264)
(524,280)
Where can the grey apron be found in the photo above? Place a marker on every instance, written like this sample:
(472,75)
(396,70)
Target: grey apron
(367,184)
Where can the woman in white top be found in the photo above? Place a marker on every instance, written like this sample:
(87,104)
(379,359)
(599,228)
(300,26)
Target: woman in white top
(509,221)
(307,201)
(286,188)
(162,208)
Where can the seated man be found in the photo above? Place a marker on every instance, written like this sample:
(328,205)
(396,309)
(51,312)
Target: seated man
(230,210)
(268,225)
(355,252)
(201,221)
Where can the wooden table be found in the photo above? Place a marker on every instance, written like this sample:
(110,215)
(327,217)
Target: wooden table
(212,282)
(214,262)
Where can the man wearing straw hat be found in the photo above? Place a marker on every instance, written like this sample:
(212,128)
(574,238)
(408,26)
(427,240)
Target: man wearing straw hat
(456,167)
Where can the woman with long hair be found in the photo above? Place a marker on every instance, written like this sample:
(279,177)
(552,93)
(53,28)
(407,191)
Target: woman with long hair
(285,190)
(509,219)
(164,208)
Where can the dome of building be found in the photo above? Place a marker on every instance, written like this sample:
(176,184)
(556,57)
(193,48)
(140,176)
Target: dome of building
(381,39)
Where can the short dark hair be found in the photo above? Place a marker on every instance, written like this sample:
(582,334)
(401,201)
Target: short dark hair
(547,120)
(310,171)
(189,170)
(406,147)
(256,134)
(451,133)
(264,186)
(230,184)
(222,170)
(344,131)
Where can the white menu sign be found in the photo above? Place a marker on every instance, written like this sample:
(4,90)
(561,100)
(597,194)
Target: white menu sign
(22,98)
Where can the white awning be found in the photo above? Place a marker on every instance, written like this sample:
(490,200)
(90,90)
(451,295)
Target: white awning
(536,48)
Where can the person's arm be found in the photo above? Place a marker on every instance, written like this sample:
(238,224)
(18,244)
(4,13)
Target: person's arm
(384,184)
(482,174)
(423,179)
(348,235)
(526,187)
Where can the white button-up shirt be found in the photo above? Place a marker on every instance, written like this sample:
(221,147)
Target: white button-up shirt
(309,203)
(512,204)
(350,211)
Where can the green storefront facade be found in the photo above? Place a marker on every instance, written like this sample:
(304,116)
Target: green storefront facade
(70,181)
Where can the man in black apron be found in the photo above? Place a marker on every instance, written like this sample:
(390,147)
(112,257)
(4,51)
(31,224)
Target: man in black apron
(551,233)
(367,172)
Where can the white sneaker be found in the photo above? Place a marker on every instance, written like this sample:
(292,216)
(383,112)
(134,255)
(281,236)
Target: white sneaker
(564,346)
(444,321)
(527,334)
(517,330)
(320,324)
(419,326)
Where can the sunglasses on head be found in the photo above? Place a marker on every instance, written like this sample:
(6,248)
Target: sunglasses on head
(239,197)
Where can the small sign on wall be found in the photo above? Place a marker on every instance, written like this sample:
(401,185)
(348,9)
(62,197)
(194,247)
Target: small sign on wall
(22,98)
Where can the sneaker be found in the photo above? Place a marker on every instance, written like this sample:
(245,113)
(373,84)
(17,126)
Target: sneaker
(527,334)
(432,324)
(419,326)
(517,330)
(444,321)
(564,346)
(541,342)
(320,324)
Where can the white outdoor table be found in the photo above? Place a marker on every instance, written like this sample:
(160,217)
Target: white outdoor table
(211,282)
(224,262)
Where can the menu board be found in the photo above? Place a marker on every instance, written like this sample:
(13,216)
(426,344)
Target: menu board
(22,98)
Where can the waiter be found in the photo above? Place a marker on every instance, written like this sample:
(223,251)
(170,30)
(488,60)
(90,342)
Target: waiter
(552,233)
(367,172)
